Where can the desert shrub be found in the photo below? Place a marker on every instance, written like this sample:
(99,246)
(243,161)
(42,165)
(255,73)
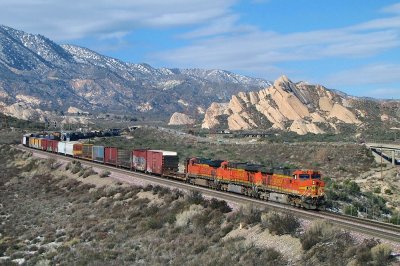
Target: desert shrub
(280,224)
(148,188)
(351,187)
(350,210)
(195,197)
(105,173)
(325,245)
(221,205)
(248,215)
(154,223)
(160,190)
(395,218)
(388,192)
(76,167)
(186,217)
(52,163)
(362,252)
(322,232)
(377,190)
(88,172)
(381,254)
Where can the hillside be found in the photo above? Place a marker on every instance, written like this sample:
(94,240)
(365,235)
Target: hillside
(40,78)
(301,108)
(69,218)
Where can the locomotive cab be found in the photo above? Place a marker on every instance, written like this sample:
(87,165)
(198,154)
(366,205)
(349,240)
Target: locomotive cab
(311,188)
(310,181)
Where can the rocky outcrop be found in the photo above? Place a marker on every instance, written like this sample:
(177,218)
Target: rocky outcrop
(180,119)
(74,110)
(301,108)
(212,113)
(25,111)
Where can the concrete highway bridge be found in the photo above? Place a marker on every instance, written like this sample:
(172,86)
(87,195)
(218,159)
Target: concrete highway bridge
(389,152)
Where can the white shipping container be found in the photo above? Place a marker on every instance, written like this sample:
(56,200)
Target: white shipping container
(69,147)
(166,153)
(61,147)
(24,140)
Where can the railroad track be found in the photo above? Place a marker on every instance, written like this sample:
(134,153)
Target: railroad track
(369,227)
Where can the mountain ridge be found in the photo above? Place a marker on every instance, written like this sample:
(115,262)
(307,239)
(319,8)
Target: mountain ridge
(58,77)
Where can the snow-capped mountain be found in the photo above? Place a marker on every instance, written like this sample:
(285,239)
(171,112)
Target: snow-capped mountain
(37,72)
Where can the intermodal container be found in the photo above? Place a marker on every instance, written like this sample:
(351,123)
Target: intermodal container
(25,140)
(110,155)
(38,143)
(43,144)
(124,158)
(77,150)
(98,154)
(62,147)
(87,151)
(32,142)
(139,159)
(52,145)
(161,162)
(69,148)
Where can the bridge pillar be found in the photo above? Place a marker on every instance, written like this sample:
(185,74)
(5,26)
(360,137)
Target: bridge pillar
(393,158)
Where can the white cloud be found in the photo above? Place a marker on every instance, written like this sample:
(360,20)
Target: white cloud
(258,48)
(367,75)
(66,20)
(227,47)
(223,25)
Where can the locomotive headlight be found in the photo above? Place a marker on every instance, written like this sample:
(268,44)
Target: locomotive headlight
(313,182)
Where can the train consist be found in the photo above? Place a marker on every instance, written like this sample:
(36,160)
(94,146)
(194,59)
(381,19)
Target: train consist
(302,188)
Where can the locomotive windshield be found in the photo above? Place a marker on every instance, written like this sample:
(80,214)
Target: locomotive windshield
(316,176)
(304,176)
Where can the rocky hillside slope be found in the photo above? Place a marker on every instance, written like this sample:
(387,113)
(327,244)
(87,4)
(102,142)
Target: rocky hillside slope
(38,76)
(298,107)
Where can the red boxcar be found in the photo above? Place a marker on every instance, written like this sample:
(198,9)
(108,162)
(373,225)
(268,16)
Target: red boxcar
(110,155)
(52,145)
(124,158)
(139,159)
(161,162)
(43,144)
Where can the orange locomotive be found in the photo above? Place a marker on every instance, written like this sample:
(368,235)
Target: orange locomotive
(299,188)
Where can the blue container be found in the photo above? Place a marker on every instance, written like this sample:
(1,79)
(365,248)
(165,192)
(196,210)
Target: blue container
(98,153)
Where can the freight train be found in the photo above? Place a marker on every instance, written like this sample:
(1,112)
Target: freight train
(301,188)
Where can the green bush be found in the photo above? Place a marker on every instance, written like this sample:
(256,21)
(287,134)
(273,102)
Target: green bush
(280,224)
(105,173)
(381,254)
(323,232)
(221,205)
(195,197)
(377,190)
(388,191)
(88,172)
(350,210)
(248,215)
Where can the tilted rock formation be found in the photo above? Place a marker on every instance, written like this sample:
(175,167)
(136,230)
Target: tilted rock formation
(215,110)
(301,108)
(180,119)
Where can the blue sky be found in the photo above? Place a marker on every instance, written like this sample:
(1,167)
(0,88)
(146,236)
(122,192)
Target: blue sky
(352,46)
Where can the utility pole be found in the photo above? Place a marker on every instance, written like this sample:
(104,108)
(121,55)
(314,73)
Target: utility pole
(381,163)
